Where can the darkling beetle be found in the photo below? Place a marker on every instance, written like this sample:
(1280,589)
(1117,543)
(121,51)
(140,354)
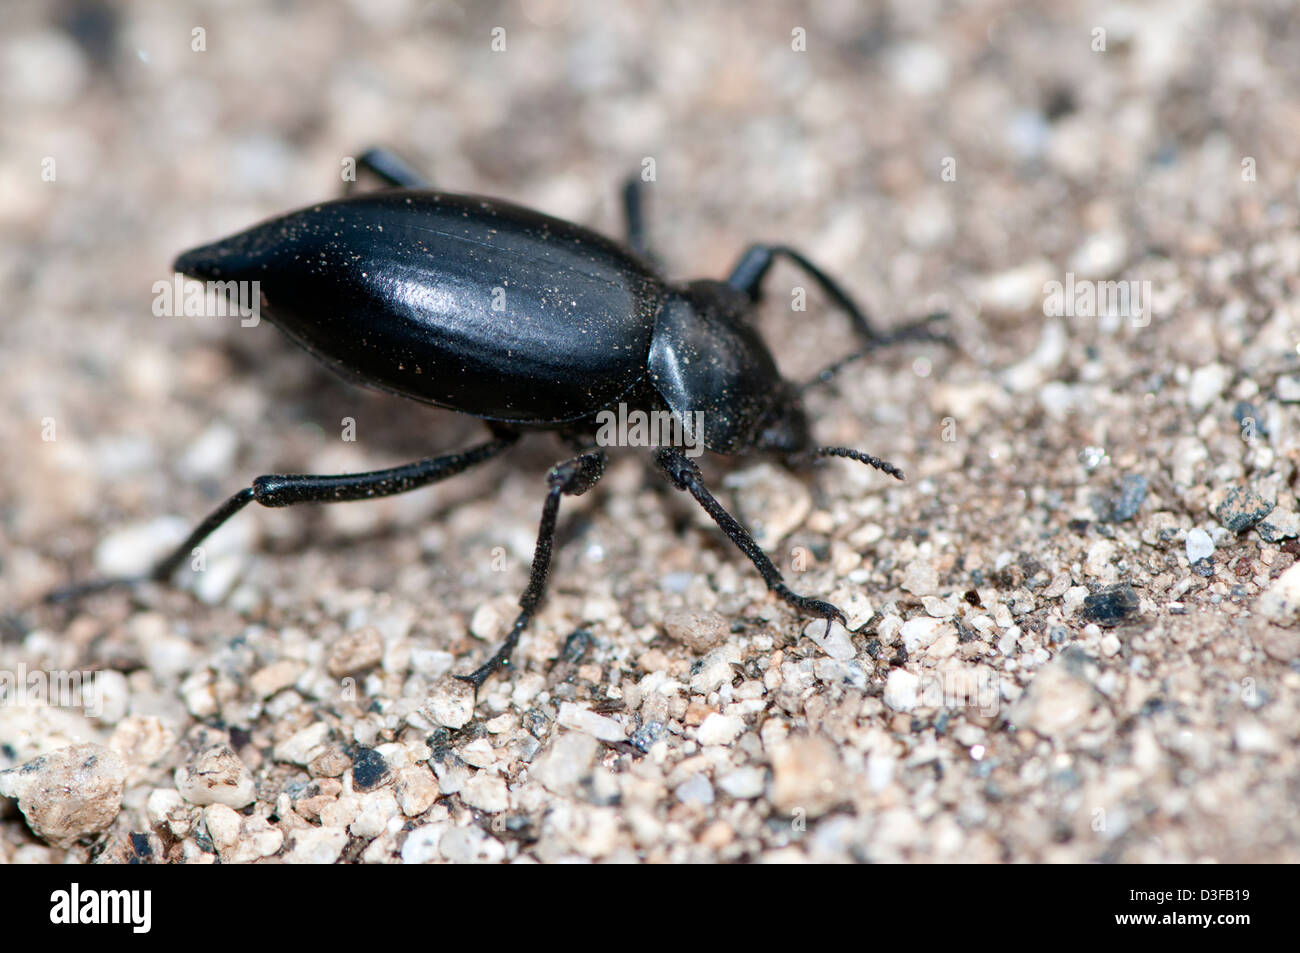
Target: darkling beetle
(395,290)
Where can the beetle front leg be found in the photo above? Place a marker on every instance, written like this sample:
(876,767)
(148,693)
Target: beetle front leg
(288,489)
(685,475)
(573,477)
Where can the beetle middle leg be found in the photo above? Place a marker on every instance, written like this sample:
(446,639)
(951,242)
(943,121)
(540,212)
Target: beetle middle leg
(573,477)
(685,475)
(288,489)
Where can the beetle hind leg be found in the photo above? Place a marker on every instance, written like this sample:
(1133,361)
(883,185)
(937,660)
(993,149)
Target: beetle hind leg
(391,169)
(288,489)
(685,475)
(573,477)
(634,218)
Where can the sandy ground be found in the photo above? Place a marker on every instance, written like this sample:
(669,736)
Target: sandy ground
(1073,635)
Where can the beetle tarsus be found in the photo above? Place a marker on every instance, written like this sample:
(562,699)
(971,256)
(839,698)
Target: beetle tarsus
(685,475)
(573,477)
(79,590)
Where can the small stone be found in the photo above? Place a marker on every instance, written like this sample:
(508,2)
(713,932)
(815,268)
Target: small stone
(772,502)
(1279,643)
(332,762)
(416,789)
(586,720)
(807,775)
(714,670)
(451,703)
(142,740)
(1280,602)
(210,455)
(569,760)
(743,783)
(257,839)
(1254,737)
(1206,384)
(1199,545)
(369,770)
(1278,526)
(695,790)
(486,792)
(857,609)
(920,631)
(832,638)
(1288,389)
(921,578)
(356,652)
(719,729)
(165,806)
(375,811)
(69,793)
(1100,558)
(1016,290)
(698,631)
(214,774)
(470,845)
(135,550)
(1056,704)
(901,690)
(222,823)
(938,608)
(479,753)
(1124,506)
(1112,605)
(317,845)
(487,622)
(275,677)
(421,845)
(1242,508)
(303,746)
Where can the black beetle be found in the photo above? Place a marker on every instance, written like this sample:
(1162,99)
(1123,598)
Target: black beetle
(530,323)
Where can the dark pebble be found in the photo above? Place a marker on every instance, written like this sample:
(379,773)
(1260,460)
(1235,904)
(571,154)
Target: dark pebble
(369,769)
(1111,606)
(1242,508)
(643,738)
(576,645)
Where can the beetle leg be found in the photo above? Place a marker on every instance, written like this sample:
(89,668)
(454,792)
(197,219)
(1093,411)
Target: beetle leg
(685,475)
(573,477)
(634,216)
(754,264)
(287,489)
(391,169)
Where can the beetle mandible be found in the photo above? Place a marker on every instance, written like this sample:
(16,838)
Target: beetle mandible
(401,290)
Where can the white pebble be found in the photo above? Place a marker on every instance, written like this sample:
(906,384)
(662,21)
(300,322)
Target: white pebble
(133,550)
(1199,545)
(743,783)
(832,638)
(719,729)
(586,720)
(901,690)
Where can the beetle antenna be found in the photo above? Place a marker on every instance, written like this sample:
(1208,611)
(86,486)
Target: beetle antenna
(850,454)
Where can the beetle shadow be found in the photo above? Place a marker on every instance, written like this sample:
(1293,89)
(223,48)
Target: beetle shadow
(391,430)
